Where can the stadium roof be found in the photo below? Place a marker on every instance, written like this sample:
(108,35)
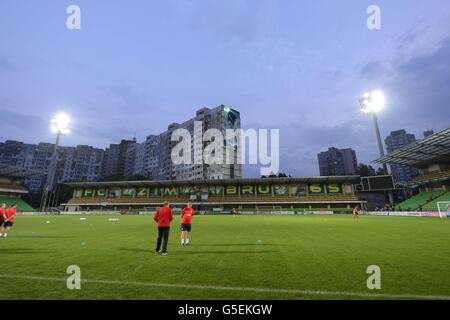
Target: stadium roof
(215,182)
(433,149)
(17,172)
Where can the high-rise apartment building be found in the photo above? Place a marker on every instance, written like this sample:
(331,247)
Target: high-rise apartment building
(151,159)
(337,162)
(115,158)
(81,163)
(396,140)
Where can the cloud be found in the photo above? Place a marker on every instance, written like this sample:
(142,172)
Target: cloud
(6,64)
(33,129)
(334,72)
(416,85)
(300,142)
(412,36)
(420,88)
(431,65)
(122,91)
(229,21)
(373,68)
(17,126)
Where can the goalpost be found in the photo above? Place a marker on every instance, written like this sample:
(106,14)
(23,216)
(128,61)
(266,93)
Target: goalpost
(444,209)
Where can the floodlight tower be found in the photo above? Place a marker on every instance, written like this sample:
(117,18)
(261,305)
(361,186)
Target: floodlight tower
(60,126)
(372,103)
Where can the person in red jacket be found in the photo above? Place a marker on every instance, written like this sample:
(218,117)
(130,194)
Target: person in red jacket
(186,223)
(355,212)
(8,220)
(163,217)
(2,215)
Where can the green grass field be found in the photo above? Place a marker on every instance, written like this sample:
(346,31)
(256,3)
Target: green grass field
(305,254)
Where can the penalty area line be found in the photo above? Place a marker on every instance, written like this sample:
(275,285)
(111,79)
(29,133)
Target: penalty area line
(222,288)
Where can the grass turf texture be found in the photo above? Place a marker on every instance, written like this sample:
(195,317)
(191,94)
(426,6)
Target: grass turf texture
(324,253)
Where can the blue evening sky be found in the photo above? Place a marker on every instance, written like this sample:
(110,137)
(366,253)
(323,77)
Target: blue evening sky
(299,66)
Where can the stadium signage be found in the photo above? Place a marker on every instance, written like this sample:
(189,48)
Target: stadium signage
(264,189)
(142,192)
(100,193)
(88,193)
(397,213)
(414,214)
(280,190)
(231,190)
(377,213)
(247,190)
(323,213)
(403,213)
(316,188)
(334,188)
(282,212)
(430,214)
(109,212)
(227,190)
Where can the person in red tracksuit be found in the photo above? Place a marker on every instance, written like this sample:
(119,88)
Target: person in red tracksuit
(2,216)
(355,212)
(163,217)
(186,223)
(8,217)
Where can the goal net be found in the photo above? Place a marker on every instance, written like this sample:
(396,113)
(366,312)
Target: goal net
(444,209)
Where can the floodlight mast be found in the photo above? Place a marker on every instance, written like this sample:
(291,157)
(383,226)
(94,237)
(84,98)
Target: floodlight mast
(380,143)
(372,103)
(60,126)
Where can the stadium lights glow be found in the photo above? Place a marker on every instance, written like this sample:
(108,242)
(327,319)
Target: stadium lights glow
(60,124)
(372,102)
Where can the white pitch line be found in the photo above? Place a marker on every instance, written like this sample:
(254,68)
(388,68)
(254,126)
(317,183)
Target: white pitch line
(264,290)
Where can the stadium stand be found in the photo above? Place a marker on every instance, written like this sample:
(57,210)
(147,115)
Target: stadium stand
(22,206)
(432,205)
(11,188)
(432,157)
(421,199)
(271,194)
(5,186)
(432,176)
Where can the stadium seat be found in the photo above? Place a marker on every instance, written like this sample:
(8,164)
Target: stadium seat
(22,206)
(12,187)
(225,199)
(321,198)
(422,199)
(432,205)
(128,200)
(432,176)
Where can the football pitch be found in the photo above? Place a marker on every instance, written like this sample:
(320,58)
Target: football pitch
(246,257)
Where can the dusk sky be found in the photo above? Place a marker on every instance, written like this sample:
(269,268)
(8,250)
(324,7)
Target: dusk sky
(299,66)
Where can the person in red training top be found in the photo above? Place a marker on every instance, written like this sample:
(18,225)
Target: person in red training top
(355,213)
(163,217)
(186,223)
(2,215)
(8,220)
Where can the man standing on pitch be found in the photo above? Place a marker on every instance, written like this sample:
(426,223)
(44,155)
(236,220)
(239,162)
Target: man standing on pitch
(8,220)
(163,217)
(186,222)
(355,212)
(2,216)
